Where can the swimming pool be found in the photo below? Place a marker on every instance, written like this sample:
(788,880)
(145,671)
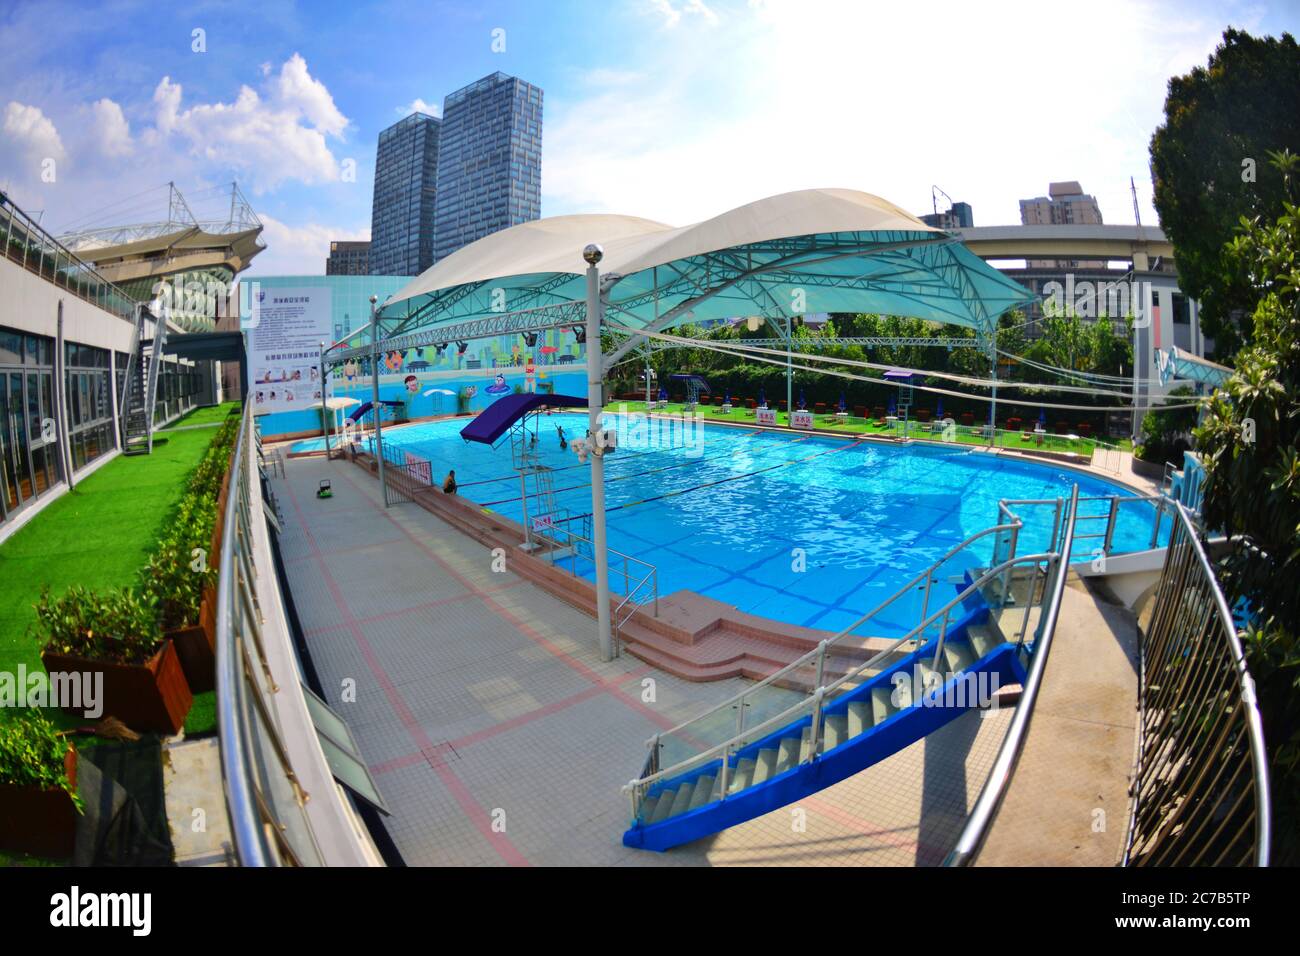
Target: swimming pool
(734,513)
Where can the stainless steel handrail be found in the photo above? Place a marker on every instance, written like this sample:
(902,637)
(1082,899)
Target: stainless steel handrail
(265,802)
(251,845)
(942,613)
(1004,765)
(927,574)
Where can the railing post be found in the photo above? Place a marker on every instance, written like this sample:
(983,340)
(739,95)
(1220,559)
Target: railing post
(1110,524)
(821,664)
(724,774)
(815,727)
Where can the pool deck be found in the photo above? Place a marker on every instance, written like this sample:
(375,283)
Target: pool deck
(498,736)
(1068,802)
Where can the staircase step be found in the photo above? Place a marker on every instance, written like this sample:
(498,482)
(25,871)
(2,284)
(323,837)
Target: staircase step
(742,775)
(648,807)
(882,704)
(836,732)
(787,754)
(682,802)
(805,745)
(958,656)
(859,717)
(664,807)
(982,638)
(705,792)
(764,765)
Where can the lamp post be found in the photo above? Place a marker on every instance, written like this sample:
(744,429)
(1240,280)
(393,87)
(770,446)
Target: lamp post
(595,405)
(374,393)
(324,408)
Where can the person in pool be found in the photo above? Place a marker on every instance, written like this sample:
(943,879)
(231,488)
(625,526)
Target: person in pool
(564,443)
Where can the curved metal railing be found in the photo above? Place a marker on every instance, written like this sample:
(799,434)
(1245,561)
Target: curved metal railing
(986,806)
(264,801)
(1201,785)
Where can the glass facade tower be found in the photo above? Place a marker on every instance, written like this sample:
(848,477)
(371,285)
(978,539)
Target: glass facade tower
(401,216)
(489,161)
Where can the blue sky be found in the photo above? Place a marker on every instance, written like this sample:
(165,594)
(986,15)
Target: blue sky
(670,109)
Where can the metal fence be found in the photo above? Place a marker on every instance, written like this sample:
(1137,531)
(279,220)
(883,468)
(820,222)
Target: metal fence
(1200,789)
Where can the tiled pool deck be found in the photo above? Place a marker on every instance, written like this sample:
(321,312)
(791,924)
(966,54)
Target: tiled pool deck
(496,734)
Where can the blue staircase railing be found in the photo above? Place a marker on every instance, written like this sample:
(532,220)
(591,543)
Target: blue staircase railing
(844,706)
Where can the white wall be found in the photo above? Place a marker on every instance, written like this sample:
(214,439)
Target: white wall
(29,303)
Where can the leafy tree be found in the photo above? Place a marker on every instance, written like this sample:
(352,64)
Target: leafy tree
(1248,441)
(1208,163)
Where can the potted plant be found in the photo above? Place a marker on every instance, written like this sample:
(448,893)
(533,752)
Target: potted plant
(39,803)
(116,635)
(180,581)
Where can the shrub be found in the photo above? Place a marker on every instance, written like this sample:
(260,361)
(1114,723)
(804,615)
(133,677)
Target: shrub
(32,755)
(119,626)
(1165,432)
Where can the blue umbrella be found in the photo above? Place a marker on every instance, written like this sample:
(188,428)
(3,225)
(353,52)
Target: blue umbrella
(802,403)
(938,411)
(762,398)
(726,398)
(1042,416)
(892,407)
(842,405)
(663,394)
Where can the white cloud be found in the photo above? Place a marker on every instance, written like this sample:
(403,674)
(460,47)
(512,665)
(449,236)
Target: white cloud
(418,105)
(298,250)
(672,15)
(32,133)
(112,133)
(884,98)
(282,137)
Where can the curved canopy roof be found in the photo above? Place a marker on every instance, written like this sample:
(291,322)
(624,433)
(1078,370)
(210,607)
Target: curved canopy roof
(815,250)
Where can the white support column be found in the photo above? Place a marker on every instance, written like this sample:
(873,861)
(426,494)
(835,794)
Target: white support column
(595,405)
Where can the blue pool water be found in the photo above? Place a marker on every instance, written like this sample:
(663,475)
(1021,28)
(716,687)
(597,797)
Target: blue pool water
(724,513)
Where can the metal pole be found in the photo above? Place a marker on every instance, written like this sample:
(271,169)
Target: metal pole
(993,374)
(789,370)
(374,393)
(595,405)
(324,411)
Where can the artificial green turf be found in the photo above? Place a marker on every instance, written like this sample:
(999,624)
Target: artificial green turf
(207,415)
(99,535)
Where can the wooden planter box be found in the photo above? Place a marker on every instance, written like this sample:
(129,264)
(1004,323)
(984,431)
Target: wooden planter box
(196,646)
(40,822)
(149,696)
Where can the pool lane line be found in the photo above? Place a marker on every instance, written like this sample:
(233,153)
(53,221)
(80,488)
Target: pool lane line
(635,474)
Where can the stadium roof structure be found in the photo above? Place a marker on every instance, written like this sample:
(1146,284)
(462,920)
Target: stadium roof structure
(815,250)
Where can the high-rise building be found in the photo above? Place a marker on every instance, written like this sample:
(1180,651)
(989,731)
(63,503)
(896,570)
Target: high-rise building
(401,218)
(958,216)
(348,259)
(1065,204)
(489,161)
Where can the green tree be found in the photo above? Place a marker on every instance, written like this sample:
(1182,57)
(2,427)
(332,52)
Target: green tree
(1209,167)
(1248,442)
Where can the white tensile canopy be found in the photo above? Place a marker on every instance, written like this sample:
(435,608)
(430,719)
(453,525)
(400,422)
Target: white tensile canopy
(814,250)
